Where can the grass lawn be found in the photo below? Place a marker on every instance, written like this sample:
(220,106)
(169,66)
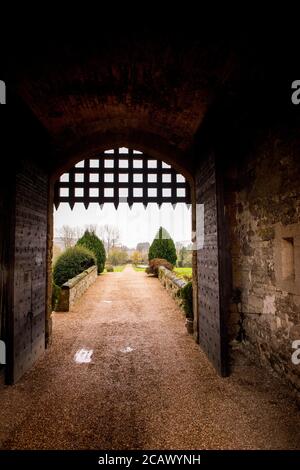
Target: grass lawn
(117,269)
(185,273)
(137,268)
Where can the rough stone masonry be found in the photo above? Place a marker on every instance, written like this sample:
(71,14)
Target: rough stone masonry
(265,245)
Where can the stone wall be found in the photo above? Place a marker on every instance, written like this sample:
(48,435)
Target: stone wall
(72,290)
(172,283)
(264,211)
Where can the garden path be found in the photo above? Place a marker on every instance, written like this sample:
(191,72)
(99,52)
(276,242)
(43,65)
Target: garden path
(147,385)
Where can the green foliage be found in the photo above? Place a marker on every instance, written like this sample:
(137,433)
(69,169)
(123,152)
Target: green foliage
(90,241)
(155,263)
(139,268)
(184,273)
(186,293)
(71,263)
(136,258)
(119,268)
(109,268)
(163,247)
(55,295)
(184,257)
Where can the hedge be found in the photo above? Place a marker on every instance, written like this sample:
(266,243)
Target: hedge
(90,241)
(71,263)
(186,293)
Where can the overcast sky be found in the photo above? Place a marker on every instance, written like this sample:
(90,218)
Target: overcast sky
(135,225)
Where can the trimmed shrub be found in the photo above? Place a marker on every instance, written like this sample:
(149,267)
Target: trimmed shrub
(186,293)
(55,295)
(71,263)
(109,268)
(155,263)
(90,241)
(163,247)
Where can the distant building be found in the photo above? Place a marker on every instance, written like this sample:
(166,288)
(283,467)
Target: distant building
(143,246)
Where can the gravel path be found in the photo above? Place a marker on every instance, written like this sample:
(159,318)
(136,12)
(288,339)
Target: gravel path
(148,385)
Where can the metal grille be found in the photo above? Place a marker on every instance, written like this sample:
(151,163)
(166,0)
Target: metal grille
(121,175)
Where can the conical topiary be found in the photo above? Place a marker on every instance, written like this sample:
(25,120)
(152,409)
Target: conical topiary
(163,247)
(92,242)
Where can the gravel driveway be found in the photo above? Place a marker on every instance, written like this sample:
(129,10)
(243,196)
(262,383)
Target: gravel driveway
(147,385)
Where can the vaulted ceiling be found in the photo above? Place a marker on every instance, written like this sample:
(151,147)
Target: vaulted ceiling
(150,92)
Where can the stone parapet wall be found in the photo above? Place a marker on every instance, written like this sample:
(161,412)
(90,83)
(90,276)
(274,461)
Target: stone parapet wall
(72,290)
(172,283)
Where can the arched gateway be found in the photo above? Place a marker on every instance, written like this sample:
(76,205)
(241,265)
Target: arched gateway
(195,105)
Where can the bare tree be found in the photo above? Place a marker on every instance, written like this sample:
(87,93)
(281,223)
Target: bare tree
(56,252)
(79,231)
(110,235)
(68,236)
(92,228)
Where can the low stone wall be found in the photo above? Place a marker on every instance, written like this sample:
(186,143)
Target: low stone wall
(172,283)
(72,290)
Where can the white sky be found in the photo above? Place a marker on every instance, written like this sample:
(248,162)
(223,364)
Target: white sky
(135,225)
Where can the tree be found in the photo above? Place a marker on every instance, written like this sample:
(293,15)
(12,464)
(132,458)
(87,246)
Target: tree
(56,252)
(163,247)
(93,243)
(184,255)
(92,228)
(137,257)
(181,256)
(142,246)
(117,256)
(79,231)
(110,235)
(68,236)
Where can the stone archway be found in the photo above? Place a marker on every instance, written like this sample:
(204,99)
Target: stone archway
(159,157)
(219,110)
(32,192)
(94,102)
